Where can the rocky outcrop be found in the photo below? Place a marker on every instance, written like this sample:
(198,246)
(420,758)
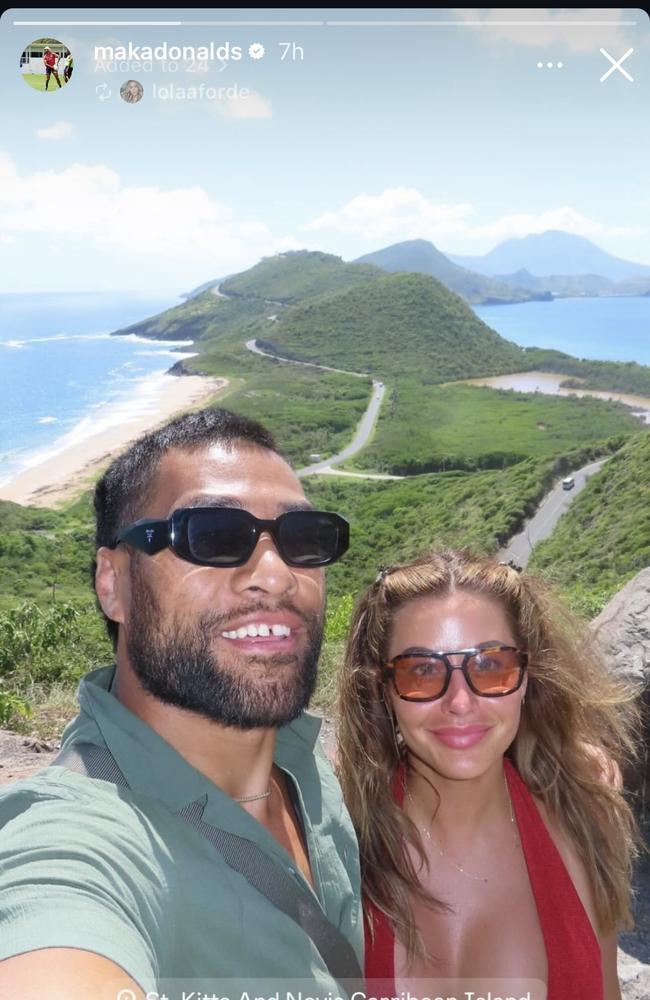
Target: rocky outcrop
(634,977)
(622,629)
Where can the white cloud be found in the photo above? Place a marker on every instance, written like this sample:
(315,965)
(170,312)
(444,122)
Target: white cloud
(92,206)
(404,213)
(494,25)
(565,218)
(394,212)
(254,105)
(59,130)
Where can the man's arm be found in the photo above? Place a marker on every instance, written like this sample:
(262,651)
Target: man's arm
(66,974)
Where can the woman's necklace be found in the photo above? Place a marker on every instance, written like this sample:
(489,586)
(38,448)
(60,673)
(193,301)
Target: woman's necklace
(427,833)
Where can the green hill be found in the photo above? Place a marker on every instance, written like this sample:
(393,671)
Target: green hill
(296,275)
(300,301)
(604,538)
(396,325)
(204,317)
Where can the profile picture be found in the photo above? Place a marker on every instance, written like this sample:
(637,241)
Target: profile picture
(131,91)
(47,65)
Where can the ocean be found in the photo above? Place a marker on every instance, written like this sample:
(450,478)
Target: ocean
(63,377)
(607,329)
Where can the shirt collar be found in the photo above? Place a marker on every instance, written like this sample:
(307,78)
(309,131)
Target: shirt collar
(149,763)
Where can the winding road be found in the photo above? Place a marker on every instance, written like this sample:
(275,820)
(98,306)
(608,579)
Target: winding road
(364,428)
(548,513)
(520,546)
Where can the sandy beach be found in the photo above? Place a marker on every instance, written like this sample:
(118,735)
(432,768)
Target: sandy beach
(77,459)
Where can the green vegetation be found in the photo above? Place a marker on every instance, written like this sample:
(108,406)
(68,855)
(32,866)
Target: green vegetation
(604,538)
(393,521)
(297,275)
(202,318)
(401,324)
(44,651)
(308,410)
(470,428)
(618,376)
(45,554)
(353,316)
(318,413)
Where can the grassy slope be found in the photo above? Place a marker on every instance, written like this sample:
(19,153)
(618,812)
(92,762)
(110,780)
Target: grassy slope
(45,553)
(293,277)
(355,316)
(467,427)
(391,521)
(401,324)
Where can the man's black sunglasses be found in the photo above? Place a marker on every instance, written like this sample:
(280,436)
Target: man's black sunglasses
(227,536)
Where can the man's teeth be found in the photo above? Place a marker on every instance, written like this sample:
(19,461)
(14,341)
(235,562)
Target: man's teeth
(253,630)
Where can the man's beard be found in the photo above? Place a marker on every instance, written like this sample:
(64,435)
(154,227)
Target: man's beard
(175,662)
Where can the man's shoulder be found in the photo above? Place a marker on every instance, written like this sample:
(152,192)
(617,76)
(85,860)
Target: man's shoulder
(66,838)
(59,808)
(79,868)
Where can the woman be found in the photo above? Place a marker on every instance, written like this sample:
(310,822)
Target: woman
(495,842)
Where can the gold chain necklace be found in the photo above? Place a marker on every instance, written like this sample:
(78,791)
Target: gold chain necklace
(427,833)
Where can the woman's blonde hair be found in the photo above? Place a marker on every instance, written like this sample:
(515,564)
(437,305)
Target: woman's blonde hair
(577,723)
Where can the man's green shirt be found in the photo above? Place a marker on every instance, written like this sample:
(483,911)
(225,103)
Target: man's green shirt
(85,864)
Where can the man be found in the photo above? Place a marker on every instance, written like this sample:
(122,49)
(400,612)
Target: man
(105,887)
(50,60)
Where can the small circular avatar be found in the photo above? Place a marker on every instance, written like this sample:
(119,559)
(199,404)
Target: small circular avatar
(131,91)
(46,64)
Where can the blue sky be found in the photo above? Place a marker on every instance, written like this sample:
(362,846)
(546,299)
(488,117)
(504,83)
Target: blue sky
(448,132)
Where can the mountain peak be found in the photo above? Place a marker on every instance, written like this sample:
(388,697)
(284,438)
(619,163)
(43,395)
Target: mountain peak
(552,252)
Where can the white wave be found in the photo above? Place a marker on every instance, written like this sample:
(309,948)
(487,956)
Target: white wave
(178,355)
(131,337)
(12,343)
(143,399)
(47,420)
(56,337)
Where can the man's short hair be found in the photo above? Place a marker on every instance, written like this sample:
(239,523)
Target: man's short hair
(122,493)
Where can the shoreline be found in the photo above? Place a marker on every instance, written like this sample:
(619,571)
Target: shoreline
(70,467)
(548,383)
